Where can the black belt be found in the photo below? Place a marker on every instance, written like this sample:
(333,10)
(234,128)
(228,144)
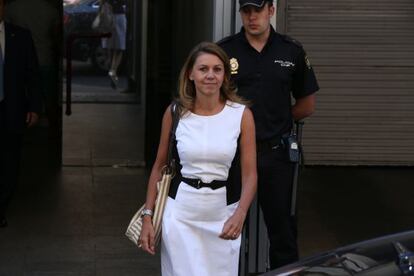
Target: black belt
(197,183)
(270,144)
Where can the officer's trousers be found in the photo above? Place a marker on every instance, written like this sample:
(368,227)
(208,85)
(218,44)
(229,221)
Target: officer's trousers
(10,150)
(275,175)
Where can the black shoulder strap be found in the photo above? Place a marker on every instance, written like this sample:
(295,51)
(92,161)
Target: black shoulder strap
(175,114)
(292,40)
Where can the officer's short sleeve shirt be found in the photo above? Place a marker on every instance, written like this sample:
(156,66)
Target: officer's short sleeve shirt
(269,78)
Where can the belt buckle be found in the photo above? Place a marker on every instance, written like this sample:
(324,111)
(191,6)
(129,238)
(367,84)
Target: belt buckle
(198,183)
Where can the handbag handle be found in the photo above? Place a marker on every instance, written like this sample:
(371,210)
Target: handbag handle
(175,114)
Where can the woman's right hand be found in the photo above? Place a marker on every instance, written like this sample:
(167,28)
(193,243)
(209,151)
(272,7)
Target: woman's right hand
(147,237)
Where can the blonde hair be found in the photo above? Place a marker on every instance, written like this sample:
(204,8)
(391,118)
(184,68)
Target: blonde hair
(186,87)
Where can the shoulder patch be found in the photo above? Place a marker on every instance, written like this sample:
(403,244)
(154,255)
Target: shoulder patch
(308,64)
(292,40)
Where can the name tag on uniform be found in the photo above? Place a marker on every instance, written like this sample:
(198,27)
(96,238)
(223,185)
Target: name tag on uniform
(285,63)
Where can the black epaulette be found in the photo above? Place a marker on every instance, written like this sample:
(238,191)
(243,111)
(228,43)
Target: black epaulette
(226,39)
(292,40)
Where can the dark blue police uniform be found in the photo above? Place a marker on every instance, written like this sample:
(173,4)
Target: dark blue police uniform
(268,79)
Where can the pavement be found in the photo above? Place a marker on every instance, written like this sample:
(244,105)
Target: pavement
(92,86)
(71,220)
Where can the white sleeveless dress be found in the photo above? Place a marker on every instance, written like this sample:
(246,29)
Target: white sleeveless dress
(193,221)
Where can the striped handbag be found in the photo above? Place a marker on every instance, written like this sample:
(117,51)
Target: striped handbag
(135,226)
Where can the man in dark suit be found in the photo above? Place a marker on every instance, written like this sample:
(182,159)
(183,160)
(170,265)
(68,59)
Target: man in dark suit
(20,102)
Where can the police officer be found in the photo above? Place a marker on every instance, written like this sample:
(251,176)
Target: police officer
(268,68)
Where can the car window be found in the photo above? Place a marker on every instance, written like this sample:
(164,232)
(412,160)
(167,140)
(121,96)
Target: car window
(95,4)
(79,2)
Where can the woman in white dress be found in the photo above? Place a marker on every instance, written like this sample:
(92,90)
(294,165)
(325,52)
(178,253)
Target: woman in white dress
(206,209)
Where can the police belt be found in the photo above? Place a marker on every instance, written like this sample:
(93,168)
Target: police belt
(197,183)
(270,144)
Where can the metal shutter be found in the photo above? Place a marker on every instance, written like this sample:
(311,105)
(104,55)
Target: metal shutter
(363,54)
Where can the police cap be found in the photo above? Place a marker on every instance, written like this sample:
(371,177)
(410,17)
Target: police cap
(256,3)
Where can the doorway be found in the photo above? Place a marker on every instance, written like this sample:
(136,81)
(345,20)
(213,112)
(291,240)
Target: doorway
(102,122)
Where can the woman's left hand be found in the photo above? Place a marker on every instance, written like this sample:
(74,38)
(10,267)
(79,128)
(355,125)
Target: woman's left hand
(233,226)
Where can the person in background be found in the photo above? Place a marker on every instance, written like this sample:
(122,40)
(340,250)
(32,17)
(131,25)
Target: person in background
(44,25)
(268,69)
(116,44)
(20,102)
(205,210)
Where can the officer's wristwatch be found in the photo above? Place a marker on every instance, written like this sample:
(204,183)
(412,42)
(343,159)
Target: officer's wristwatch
(147,212)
